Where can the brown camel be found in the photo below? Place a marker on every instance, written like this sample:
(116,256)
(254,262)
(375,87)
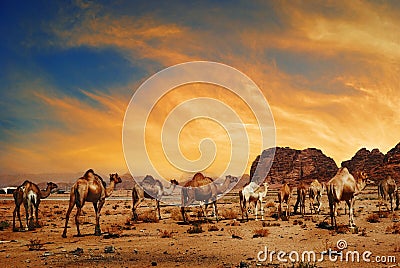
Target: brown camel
(30,195)
(152,189)
(344,187)
(301,199)
(314,194)
(284,195)
(387,192)
(252,193)
(89,188)
(204,190)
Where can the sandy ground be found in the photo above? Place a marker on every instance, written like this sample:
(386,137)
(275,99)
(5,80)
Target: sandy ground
(169,243)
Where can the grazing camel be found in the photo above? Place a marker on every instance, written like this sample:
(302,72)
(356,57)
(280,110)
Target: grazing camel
(344,187)
(386,191)
(89,188)
(152,189)
(203,189)
(301,199)
(315,192)
(284,195)
(30,195)
(253,193)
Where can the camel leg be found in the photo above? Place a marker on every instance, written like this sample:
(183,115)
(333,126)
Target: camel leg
(241,202)
(261,210)
(14,213)
(78,213)
(136,202)
(26,216)
(97,230)
(215,210)
(70,207)
(158,209)
(350,204)
(183,214)
(256,207)
(37,213)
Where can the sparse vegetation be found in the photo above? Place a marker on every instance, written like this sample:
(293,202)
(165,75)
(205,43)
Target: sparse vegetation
(195,229)
(213,228)
(35,244)
(4,225)
(373,218)
(264,232)
(229,214)
(269,224)
(176,215)
(166,234)
(148,216)
(394,228)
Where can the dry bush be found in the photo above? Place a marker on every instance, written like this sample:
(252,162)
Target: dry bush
(260,233)
(384,214)
(229,214)
(213,228)
(107,212)
(270,205)
(394,228)
(195,229)
(373,218)
(166,234)
(35,244)
(4,225)
(234,223)
(115,206)
(235,233)
(269,224)
(342,229)
(148,216)
(176,214)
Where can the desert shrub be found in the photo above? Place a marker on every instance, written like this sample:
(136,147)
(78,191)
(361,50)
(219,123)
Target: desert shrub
(195,229)
(4,225)
(373,218)
(148,216)
(229,214)
(115,206)
(176,214)
(342,229)
(35,244)
(165,234)
(107,212)
(270,205)
(268,224)
(394,228)
(235,233)
(263,232)
(213,228)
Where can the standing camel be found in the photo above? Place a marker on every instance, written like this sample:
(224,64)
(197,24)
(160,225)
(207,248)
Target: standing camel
(314,194)
(253,193)
(152,189)
(30,195)
(301,199)
(89,188)
(203,189)
(386,191)
(344,187)
(284,195)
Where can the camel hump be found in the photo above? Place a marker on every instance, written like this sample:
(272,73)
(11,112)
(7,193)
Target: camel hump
(101,179)
(198,176)
(88,173)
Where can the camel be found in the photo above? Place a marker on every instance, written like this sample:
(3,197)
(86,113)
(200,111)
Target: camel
(30,195)
(387,192)
(152,189)
(301,199)
(284,195)
(89,188)
(315,192)
(253,193)
(344,187)
(205,190)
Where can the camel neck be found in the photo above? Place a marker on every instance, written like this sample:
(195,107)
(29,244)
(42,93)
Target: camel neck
(45,193)
(110,189)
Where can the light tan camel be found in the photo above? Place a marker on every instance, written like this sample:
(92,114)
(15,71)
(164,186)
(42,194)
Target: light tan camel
(387,192)
(284,196)
(344,187)
(30,195)
(152,189)
(315,192)
(89,188)
(252,193)
(204,190)
(301,199)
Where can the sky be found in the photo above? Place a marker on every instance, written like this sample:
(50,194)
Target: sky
(328,69)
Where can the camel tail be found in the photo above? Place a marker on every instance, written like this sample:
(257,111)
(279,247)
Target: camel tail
(77,198)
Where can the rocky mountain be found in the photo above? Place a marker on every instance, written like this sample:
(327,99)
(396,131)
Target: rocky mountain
(291,165)
(377,165)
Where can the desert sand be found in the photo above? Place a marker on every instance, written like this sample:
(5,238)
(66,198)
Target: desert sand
(170,243)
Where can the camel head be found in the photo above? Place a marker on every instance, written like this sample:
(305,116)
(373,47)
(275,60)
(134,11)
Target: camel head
(232,179)
(362,179)
(115,178)
(52,186)
(266,185)
(174,182)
